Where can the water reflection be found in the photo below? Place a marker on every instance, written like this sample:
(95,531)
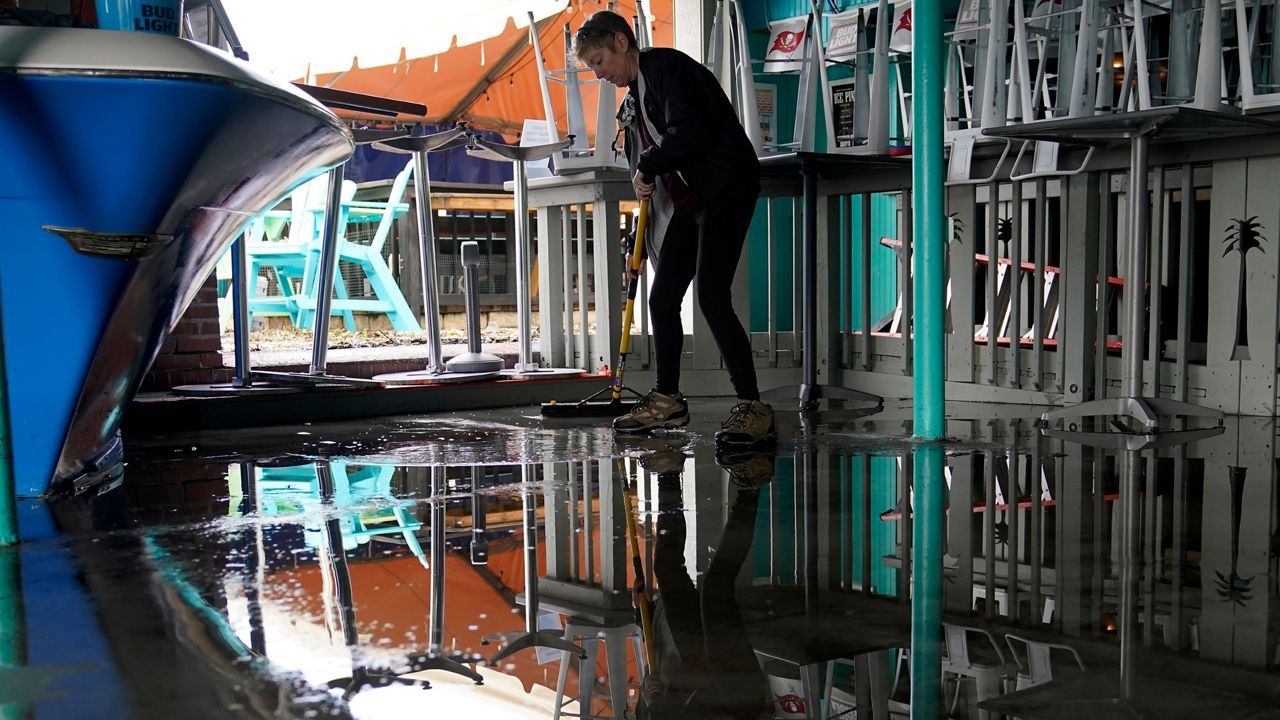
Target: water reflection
(1010,573)
(706,665)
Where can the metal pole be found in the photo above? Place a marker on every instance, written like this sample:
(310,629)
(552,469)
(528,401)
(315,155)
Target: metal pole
(479,520)
(328,264)
(254,560)
(13,623)
(930,222)
(771,283)
(583,334)
(865,280)
(927,545)
(1133,282)
(530,523)
(525,361)
(436,608)
(809,268)
(929,323)
(427,238)
(1130,520)
(470,261)
(240,312)
(566,284)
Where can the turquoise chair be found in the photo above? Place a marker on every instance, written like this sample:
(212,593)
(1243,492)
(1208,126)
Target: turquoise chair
(368,258)
(286,244)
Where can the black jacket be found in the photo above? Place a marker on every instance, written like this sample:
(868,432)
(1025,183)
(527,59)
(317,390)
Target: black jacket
(701,138)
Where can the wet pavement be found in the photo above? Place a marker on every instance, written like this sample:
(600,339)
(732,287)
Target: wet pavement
(460,565)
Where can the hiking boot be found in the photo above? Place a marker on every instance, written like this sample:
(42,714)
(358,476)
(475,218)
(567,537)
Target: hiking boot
(747,468)
(638,446)
(663,461)
(750,423)
(654,411)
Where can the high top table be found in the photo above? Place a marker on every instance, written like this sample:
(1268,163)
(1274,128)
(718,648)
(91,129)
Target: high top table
(809,168)
(1139,129)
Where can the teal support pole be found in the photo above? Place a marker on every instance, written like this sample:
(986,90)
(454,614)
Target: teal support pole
(928,219)
(928,543)
(13,626)
(929,270)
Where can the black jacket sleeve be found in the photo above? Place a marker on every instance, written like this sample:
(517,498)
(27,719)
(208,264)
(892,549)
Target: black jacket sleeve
(685,113)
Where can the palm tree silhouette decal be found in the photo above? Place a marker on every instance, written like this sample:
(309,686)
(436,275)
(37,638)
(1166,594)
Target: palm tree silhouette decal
(1242,236)
(1004,233)
(1233,588)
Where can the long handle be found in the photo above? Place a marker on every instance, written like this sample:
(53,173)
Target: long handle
(639,588)
(633,285)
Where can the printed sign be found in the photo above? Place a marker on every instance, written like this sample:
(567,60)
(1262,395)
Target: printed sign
(767,113)
(842,112)
(843,35)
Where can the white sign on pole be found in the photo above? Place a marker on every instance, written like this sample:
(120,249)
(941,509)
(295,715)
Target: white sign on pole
(535,132)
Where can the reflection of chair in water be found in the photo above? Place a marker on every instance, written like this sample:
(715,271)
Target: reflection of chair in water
(613,633)
(1035,663)
(298,488)
(980,677)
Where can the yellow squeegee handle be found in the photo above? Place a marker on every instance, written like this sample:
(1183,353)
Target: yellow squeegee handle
(639,589)
(633,285)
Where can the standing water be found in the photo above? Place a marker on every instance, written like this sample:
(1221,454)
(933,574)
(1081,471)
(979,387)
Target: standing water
(483,564)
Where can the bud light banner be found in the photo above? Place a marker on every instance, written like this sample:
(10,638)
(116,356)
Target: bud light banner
(153,16)
(786,45)
(843,31)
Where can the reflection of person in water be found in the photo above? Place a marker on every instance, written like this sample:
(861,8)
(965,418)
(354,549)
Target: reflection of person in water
(706,667)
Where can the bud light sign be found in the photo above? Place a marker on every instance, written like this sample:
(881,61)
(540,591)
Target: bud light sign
(153,16)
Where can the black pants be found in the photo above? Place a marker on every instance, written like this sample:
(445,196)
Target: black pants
(707,245)
(717,675)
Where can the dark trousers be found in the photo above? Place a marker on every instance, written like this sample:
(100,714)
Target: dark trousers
(717,675)
(708,246)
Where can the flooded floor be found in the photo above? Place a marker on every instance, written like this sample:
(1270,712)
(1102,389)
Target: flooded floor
(495,565)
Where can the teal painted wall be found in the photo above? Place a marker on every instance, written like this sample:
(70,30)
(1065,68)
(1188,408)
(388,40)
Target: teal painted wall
(783,546)
(884,538)
(757,14)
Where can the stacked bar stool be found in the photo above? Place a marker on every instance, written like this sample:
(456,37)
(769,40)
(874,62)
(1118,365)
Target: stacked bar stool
(518,156)
(436,371)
